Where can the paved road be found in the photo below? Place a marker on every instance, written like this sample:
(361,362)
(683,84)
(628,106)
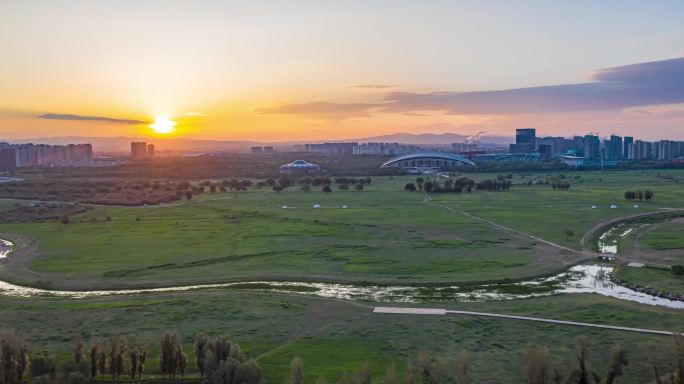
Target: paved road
(443,312)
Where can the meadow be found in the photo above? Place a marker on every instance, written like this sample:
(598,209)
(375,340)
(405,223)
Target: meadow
(661,279)
(333,336)
(666,236)
(385,235)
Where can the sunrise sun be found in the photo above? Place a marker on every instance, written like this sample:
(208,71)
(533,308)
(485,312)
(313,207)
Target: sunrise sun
(163,125)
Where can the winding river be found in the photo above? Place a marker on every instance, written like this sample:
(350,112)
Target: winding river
(577,279)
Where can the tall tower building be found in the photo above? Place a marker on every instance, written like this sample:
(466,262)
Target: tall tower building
(592,146)
(138,149)
(626,146)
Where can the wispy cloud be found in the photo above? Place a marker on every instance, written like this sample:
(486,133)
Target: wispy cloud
(665,111)
(59,116)
(652,83)
(323,110)
(374,86)
(611,89)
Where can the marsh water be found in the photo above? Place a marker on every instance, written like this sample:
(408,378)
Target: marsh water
(578,279)
(5,248)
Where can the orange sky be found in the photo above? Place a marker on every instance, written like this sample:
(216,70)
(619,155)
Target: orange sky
(303,71)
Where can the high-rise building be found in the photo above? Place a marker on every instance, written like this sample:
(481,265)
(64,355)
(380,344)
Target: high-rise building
(150,150)
(44,155)
(525,141)
(8,162)
(614,149)
(558,144)
(545,150)
(138,149)
(665,150)
(592,146)
(332,148)
(626,145)
(526,136)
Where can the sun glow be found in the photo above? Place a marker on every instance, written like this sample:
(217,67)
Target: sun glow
(163,125)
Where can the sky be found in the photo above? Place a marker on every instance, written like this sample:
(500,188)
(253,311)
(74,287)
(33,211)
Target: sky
(324,70)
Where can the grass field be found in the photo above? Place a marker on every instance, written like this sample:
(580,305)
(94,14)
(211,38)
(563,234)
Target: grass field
(659,278)
(333,336)
(385,235)
(667,236)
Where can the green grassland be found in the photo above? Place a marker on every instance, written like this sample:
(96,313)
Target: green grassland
(386,234)
(666,236)
(659,278)
(546,213)
(333,336)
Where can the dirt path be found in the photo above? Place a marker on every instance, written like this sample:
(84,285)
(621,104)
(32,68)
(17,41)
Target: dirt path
(505,228)
(595,228)
(640,253)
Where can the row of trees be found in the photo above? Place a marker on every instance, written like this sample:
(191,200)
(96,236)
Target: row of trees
(459,185)
(306,183)
(40,212)
(639,195)
(120,192)
(218,360)
(224,185)
(221,361)
(558,184)
(537,367)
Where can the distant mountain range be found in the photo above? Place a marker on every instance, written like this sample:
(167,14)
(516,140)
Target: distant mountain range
(431,138)
(122,144)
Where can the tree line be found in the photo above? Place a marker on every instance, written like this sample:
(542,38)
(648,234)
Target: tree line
(558,184)
(639,195)
(306,183)
(122,358)
(537,366)
(459,185)
(218,360)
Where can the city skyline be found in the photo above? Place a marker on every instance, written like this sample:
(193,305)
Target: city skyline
(272,72)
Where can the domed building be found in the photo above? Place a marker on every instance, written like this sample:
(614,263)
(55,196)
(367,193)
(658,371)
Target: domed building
(429,161)
(300,167)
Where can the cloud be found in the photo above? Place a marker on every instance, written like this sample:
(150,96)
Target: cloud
(651,83)
(610,89)
(374,86)
(197,114)
(323,110)
(665,111)
(58,116)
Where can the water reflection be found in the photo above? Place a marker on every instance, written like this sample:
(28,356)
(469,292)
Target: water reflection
(5,248)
